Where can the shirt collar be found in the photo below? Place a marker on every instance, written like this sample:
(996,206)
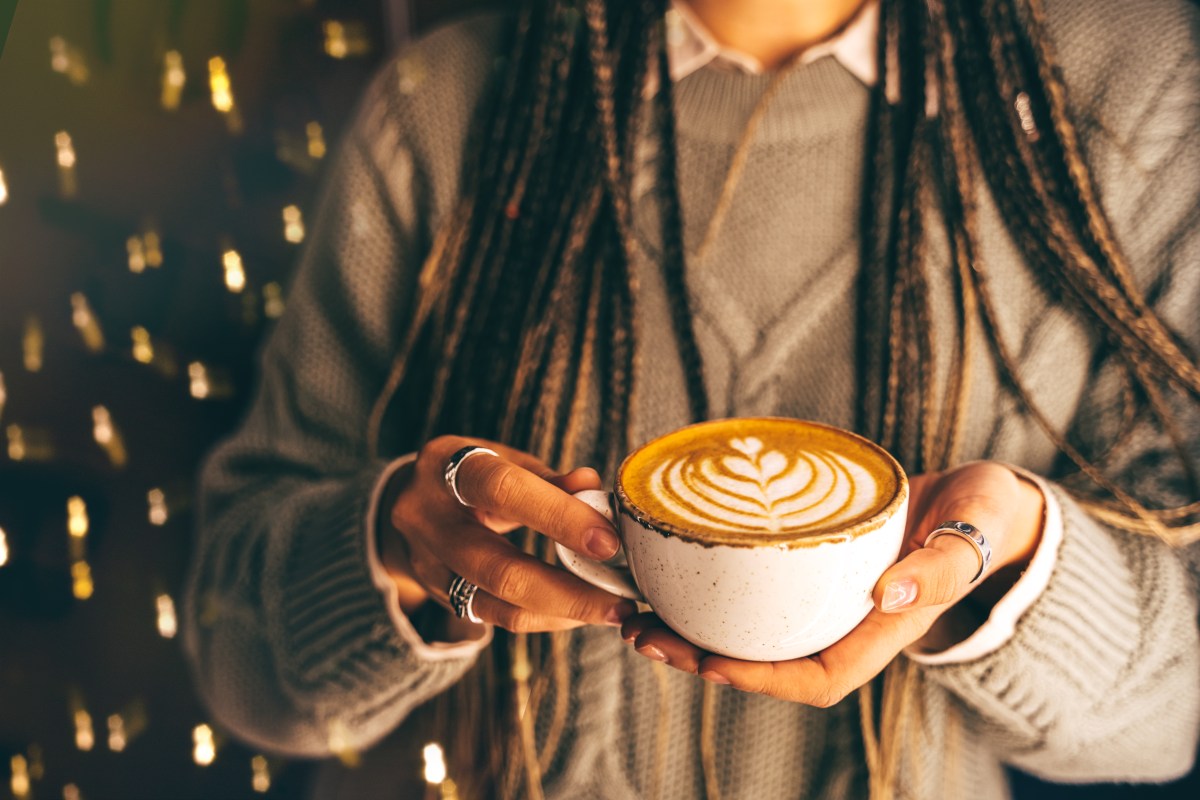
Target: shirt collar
(690,45)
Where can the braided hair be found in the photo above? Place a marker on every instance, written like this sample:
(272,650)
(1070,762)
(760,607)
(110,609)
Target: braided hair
(528,292)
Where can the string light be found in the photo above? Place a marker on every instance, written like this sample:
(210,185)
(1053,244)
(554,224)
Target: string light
(71,792)
(33,344)
(77,517)
(222,93)
(20,777)
(81,580)
(345,39)
(137,254)
(3,547)
(116,733)
(261,780)
(235,273)
(293,224)
(16,442)
(85,738)
(273,304)
(3,395)
(65,149)
(68,60)
(85,322)
(410,73)
(143,347)
(158,507)
(167,627)
(152,245)
(108,437)
(173,80)
(4,185)
(204,749)
(316,140)
(435,763)
(198,378)
(339,745)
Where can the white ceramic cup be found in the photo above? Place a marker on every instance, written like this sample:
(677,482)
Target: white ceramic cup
(768,602)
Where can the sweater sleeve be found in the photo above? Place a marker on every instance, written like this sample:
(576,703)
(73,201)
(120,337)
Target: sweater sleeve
(1099,681)
(293,646)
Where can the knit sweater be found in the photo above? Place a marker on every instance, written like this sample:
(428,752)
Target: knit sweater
(297,652)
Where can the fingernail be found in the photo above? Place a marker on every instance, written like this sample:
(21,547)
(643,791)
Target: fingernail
(601,542)
(652,652)
(899,594)
(617,614)
(714,677)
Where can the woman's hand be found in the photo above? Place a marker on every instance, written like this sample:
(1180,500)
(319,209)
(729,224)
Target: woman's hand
(912,598)
(427,536)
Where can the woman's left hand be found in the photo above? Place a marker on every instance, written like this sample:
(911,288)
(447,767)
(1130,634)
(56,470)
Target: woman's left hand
(919,599)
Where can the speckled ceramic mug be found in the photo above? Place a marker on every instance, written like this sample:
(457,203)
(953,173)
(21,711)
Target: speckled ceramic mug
(759,538)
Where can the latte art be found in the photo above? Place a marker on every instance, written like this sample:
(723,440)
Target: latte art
(758,476)
(753,487)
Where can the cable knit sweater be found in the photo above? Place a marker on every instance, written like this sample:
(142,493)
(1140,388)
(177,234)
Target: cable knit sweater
(294,647)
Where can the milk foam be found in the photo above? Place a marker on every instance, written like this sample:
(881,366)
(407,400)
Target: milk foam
(748,486)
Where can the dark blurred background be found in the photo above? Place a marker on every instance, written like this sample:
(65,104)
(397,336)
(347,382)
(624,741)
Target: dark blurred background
(158,164)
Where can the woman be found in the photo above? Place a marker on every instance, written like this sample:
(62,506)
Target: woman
(965,229)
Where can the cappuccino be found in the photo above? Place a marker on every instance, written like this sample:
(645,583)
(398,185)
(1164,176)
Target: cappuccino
(758,477)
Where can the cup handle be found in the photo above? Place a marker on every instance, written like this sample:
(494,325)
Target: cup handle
(615,578)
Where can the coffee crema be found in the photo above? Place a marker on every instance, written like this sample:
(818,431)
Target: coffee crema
(765,477)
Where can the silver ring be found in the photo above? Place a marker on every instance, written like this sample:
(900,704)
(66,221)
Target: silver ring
(462,598)
(970,533)
(452,467)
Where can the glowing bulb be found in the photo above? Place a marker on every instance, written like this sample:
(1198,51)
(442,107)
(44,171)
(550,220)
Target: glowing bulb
(173,80)
(293,225)
(198,377)
(16,443)
(235,273)
(85,738)
(137,254)
(3,547)
(77,517)
(262,775)
(273,300)
(116,733)
(218,84)
(167,627)
(81,580)
(85,322)
(33,344)
(65,151)
(204,748)
(67,60)
(20,777)
(71,792)
(344,39)
(316,140)
(158,507)
(153,249)
(143,348)
(4,186)
(3,394)
(335,39)
(435,763)
(102,427)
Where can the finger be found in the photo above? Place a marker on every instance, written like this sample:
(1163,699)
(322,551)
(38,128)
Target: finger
(660,643)
(828,677)
(492,609)
(503,570)
(577,480)
(510,492)
(944,570)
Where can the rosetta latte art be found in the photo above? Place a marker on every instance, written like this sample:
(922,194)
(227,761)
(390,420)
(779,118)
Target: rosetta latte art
(750,487)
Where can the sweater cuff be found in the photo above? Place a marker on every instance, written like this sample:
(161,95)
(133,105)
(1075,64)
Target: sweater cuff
(1002,621)
(425,650)
(335,625)
(1089,605)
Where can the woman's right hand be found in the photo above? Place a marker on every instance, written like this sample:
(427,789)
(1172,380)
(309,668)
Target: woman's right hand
(427,537)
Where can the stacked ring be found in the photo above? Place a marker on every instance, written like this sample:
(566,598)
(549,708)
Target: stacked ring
(452,466)
(462,598)
(970,533)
